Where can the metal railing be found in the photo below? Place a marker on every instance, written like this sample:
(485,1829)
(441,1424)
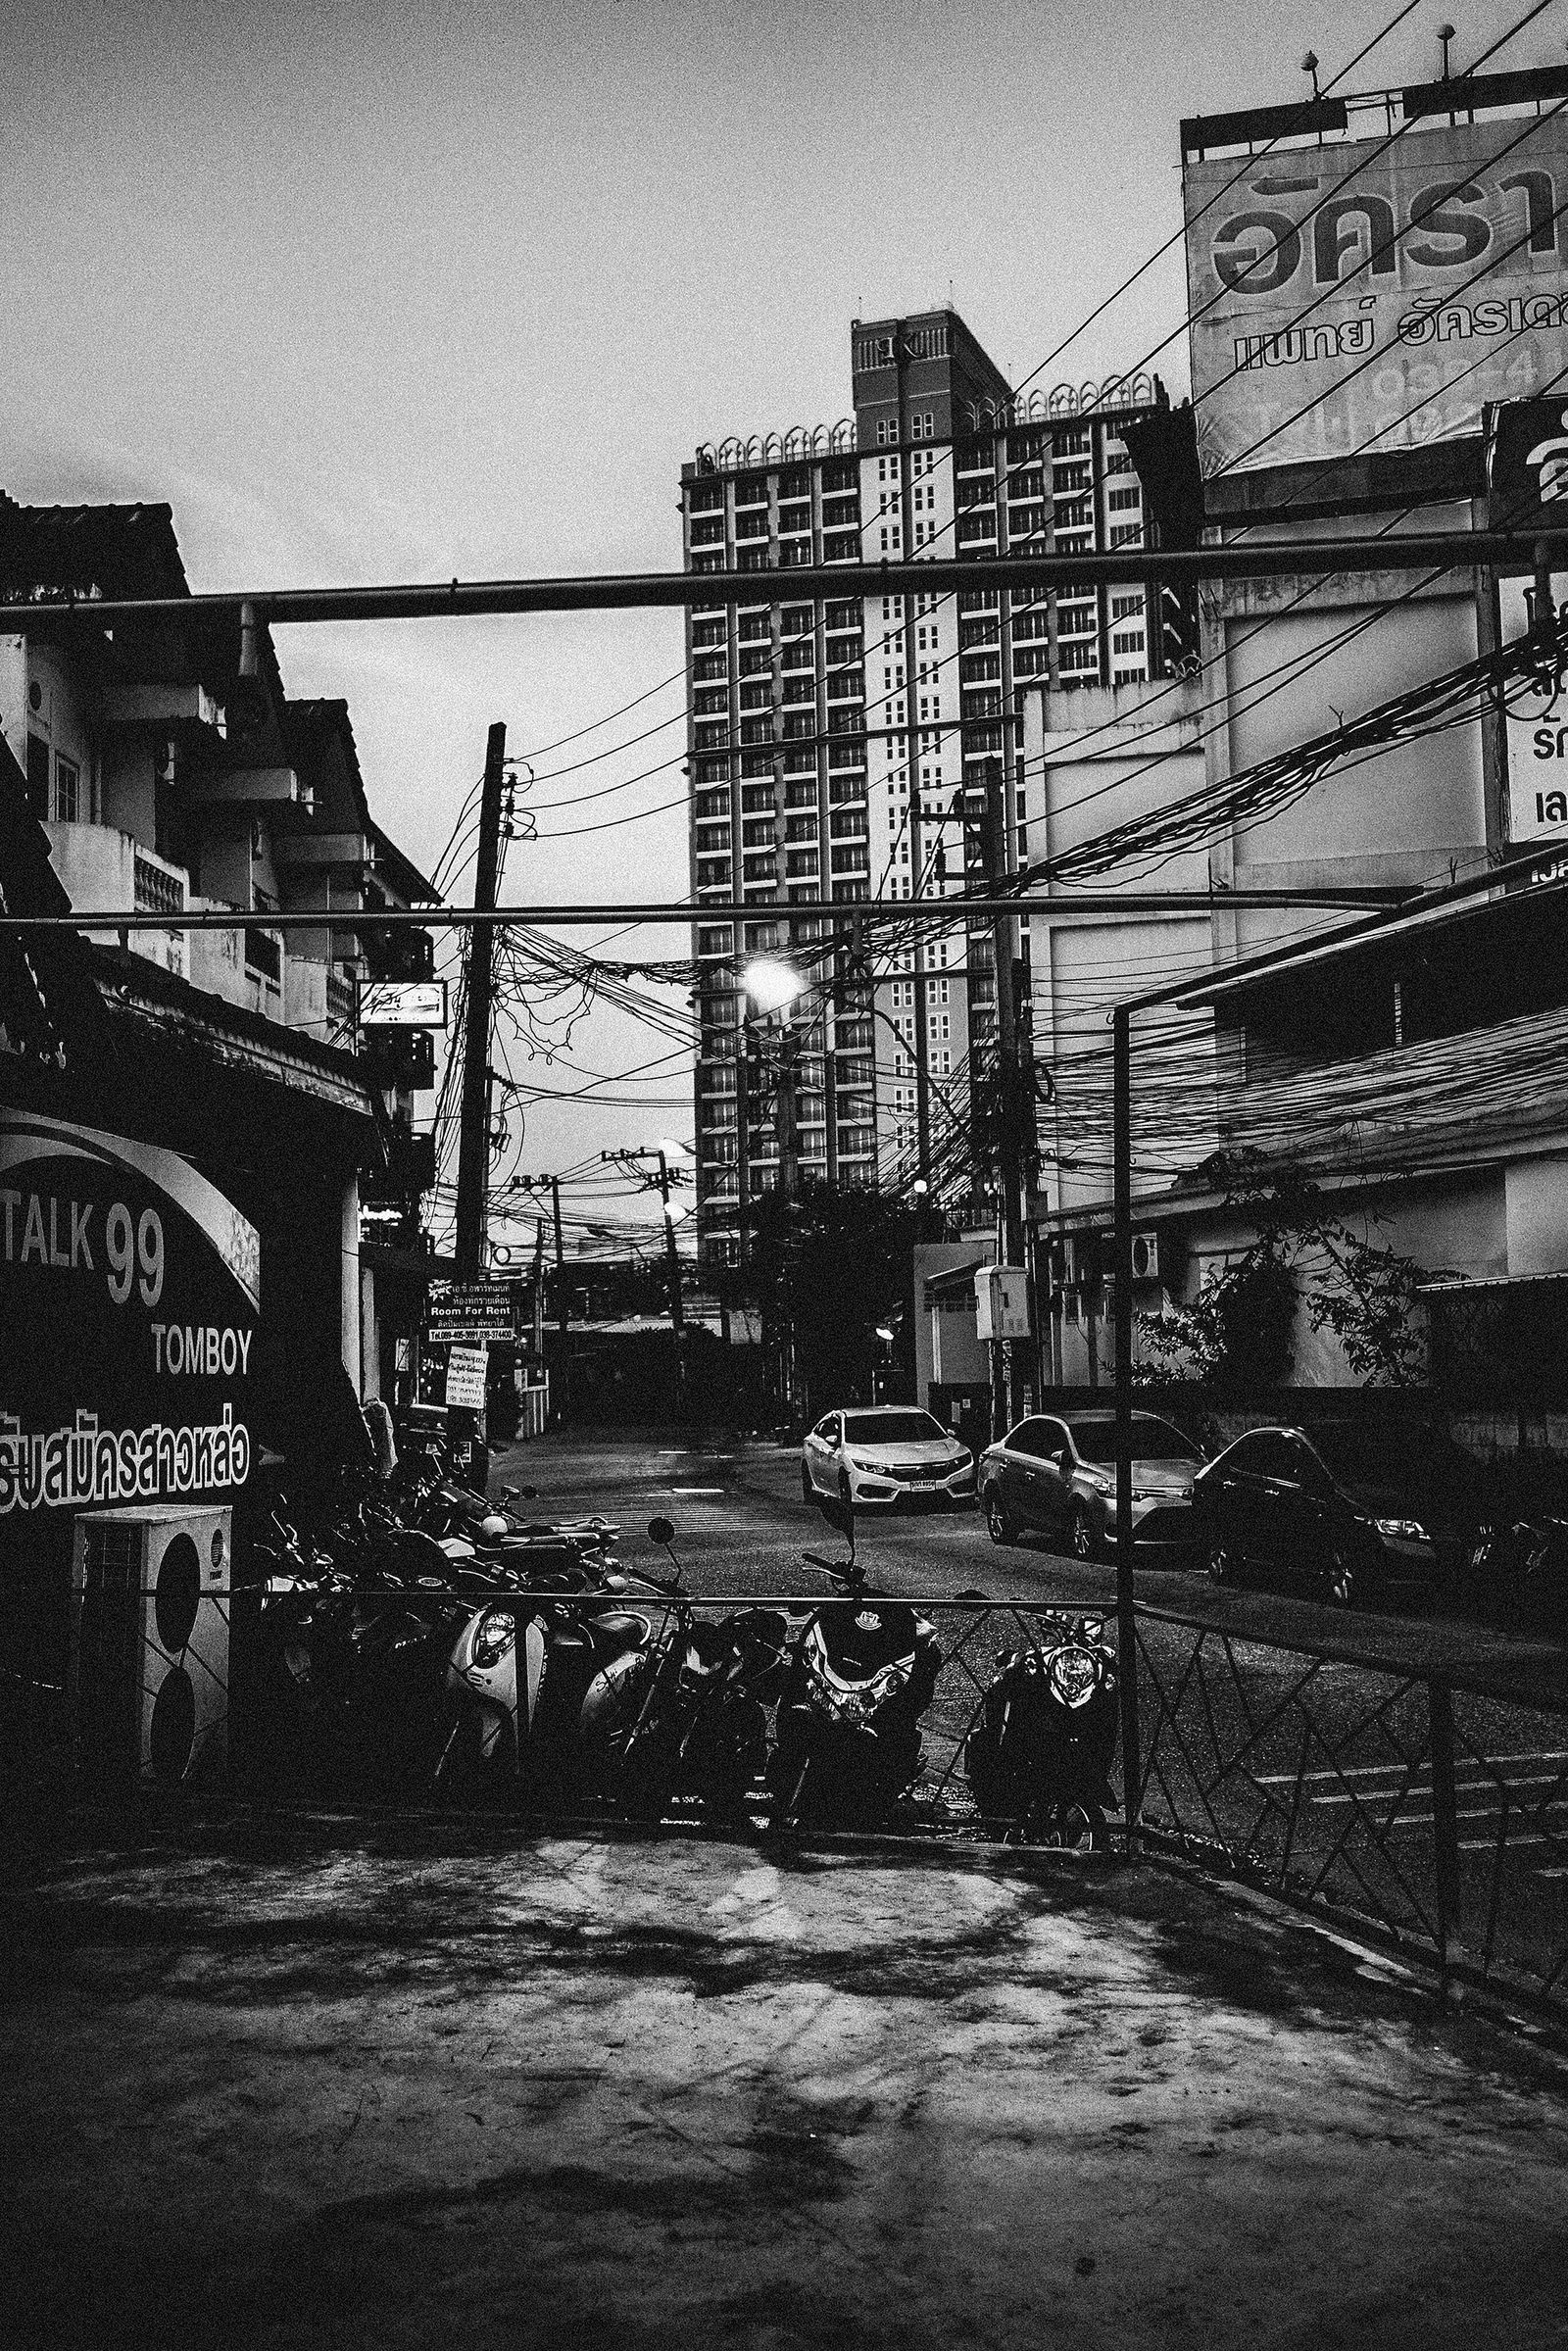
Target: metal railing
(1353,1783)
(1429,1808)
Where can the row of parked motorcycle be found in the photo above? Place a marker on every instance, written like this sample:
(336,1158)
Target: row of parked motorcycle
(418,1639)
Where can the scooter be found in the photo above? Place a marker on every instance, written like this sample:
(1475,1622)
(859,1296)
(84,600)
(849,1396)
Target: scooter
(687,1714)
(516,1678)
(862,1673)
(1042,1747)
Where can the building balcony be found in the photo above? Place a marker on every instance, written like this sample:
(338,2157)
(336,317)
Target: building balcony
(101,866)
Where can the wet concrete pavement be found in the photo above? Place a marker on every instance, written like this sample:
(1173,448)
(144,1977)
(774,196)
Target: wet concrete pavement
(433,2079)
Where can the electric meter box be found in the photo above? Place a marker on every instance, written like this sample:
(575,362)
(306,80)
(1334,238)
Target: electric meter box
(1001,1301)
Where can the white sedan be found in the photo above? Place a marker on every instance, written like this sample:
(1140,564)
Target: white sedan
(884,1453)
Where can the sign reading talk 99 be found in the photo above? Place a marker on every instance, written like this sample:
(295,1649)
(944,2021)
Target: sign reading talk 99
(129,1301)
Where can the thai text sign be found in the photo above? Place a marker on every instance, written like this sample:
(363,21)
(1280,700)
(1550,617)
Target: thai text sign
(471,1314)
(402,1003)
(129,1301)
(1374,295)
(466,1377)
(1537,725)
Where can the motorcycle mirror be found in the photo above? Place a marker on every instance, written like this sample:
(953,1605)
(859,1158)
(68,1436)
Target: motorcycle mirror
(614,1583)
(661,1529)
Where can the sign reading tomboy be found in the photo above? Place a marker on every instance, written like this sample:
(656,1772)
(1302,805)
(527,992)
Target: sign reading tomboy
(129,1299)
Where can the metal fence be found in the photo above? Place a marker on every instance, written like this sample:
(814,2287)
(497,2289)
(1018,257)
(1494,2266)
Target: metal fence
(1349,1782)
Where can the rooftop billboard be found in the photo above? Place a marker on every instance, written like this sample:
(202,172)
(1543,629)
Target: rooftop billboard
(1374,293)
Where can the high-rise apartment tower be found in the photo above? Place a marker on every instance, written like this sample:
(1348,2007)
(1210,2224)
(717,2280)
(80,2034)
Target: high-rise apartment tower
(845,749)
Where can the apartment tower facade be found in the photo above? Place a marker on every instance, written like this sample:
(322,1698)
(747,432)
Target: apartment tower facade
(869,748)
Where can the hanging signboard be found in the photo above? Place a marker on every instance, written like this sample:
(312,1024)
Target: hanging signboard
(1537,727)
(402,1003)
(466,1367)
(1372,294)
(471,1314)
(130,1303)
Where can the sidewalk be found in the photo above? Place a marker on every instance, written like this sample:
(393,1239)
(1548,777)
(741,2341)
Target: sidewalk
(400,2083)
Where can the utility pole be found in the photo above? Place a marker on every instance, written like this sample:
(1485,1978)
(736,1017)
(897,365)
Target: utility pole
(561,1302)
(473,1142)
(1009,1152)
(742,1153)
(635,1158)
(918,954)
(677,1311)
(473,1136)
(788,1121)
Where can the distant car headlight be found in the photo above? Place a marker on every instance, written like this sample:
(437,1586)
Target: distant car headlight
(1409,1529)
(962,1460)
(873,1468)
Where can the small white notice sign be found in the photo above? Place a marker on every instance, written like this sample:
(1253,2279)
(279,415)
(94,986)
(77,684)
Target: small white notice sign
(466,1374)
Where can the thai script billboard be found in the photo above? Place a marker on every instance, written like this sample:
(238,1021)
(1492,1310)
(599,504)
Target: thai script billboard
(1374,295)
(129,1301)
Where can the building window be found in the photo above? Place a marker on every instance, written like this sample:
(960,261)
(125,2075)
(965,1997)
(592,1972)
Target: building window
(67,792)
(1123,534)
(1126,608)
(1121,499)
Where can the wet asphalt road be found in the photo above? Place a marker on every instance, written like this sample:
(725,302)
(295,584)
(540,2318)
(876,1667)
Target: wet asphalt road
(743,1528)
(1296,1735)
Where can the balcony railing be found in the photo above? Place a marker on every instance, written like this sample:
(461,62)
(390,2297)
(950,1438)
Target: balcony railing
(158,889)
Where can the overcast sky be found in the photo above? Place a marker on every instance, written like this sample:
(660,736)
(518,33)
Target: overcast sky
(403,290)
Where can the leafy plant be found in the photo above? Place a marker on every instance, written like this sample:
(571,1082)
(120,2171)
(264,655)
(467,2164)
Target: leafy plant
(1236,1336)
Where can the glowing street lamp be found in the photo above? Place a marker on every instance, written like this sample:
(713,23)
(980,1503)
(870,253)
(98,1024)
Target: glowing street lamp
(771,984)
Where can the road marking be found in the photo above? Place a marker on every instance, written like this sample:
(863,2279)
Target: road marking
(1368,1771)
(693,1490)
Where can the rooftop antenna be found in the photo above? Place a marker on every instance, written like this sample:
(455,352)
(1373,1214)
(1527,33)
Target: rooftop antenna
(1309,65)
(1446,35)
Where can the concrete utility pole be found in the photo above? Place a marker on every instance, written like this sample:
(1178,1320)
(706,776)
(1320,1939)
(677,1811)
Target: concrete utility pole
(1010,1170)
(1009,1103)
(635,1158)
(473,1134)
(473,1143)
(562,1301)
(677,1311)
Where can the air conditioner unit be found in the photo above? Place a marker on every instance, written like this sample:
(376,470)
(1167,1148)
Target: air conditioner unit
(149,1647)
(1146,1256)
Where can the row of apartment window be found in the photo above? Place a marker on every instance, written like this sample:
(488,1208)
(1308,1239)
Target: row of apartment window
(836,475)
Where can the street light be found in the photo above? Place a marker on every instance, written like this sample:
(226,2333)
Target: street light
(771,984)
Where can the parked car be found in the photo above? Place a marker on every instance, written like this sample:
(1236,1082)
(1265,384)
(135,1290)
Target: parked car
(1350,1512)
(883,1454)
(1058,1475)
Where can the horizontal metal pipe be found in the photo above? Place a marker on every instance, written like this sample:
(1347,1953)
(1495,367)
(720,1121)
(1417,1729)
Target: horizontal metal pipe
(1264,558)
(845,914)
